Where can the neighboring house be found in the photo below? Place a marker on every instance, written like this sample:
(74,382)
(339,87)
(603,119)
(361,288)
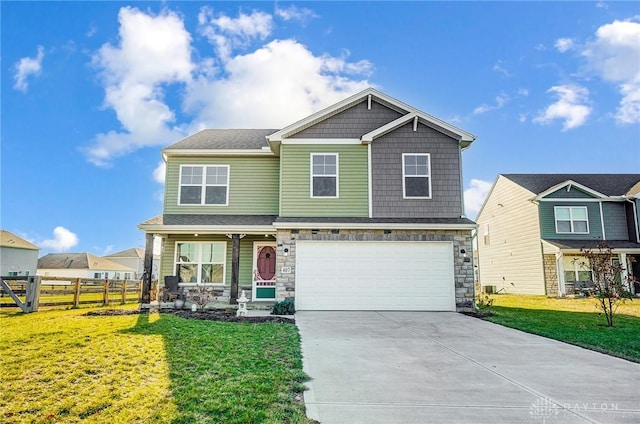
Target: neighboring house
(134,258)
(358,206)
(82,265)
(532,226)
(18,257)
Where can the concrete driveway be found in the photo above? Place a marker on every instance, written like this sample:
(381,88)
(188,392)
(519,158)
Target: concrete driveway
(444,367)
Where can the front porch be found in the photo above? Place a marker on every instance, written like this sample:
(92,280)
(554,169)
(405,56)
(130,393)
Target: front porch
(567,273)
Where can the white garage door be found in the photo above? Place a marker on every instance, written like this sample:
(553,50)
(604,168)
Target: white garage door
(393,276)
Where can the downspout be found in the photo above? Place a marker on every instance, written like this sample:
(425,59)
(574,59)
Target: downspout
(462,212)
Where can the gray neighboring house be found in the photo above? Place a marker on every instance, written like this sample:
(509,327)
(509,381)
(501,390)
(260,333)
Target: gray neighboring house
(532,227)
(18,257)
(82,265)
(356,207)
(134,258)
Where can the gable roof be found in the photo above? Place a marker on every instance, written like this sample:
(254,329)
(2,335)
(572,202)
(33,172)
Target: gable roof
(79,261)
(606,184)
(134,252)
(223,139)
(464,137)
(8,239)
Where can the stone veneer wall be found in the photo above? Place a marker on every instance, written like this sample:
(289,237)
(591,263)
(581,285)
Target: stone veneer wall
(550,275)
(463,271)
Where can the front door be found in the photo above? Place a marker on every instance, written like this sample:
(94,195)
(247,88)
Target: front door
(264,273)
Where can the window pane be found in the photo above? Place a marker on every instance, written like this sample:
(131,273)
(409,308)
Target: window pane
(564,226)
(330,170)
(191,175)
(187,252)
(318,160)
(422,170)
(318,169)
(416,187)
(579,213)
(216,195)
(410,170)
(584,275)
(330,159)
(580,226)
(187,273)
(324,186)
(216,175)
(421,160)
(212,273)
(562,213)
(190,195)
(569,276)
(410,160)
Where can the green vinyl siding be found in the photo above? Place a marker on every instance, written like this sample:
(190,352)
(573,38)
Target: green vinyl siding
(352,181)
(253,186)
(246,255)
(548,223)
(573,193)
(615,221)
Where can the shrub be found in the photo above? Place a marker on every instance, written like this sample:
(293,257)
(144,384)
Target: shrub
(483,301)
(285,307)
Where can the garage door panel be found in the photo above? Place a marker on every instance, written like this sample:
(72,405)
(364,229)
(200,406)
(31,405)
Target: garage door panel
(374,276)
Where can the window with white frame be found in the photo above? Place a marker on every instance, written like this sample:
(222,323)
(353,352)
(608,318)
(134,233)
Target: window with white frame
(324,175)
(416,175)
(571,219)
(204,185)
(201,262)
(576,268)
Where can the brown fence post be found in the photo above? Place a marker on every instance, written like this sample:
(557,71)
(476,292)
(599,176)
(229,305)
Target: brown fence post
(32,296)
(123,290)
(76,294)
(105,295)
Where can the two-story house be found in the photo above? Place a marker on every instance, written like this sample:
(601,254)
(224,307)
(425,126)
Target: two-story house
(532,227)
(18,257)
(356,207)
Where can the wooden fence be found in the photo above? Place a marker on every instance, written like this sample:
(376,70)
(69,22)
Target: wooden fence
(65,291)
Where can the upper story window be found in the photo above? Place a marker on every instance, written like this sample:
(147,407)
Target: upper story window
(571,219)
(201,262)
(204,185)
(324,175)
(416,175)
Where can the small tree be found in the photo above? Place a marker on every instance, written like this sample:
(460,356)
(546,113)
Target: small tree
(610,288)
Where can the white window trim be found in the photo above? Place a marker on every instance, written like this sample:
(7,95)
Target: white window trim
(204,185)
(586,213)
(199,263)
(337,175)
(404,190)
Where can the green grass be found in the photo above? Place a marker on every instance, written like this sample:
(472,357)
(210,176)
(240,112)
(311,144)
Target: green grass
(62,366)
(574,321)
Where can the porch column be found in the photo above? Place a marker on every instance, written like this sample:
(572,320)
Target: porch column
(148,269)
(624,273)
(235,268)
(562,290)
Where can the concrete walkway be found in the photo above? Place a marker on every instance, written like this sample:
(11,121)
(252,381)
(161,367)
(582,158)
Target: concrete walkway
(444,367)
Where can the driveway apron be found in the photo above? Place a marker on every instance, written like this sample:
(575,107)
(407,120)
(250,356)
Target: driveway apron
(445,367)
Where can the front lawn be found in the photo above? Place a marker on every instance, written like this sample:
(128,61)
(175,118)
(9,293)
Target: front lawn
(574,321)
(63,366)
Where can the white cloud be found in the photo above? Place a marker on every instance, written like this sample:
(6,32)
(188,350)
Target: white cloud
(498,67)
(293,84)
(62,240)
(614,55)
(523,117)
(107,250)
(294,13)
(602,5)
(563,44)
(153,51)
(227,34)
(474,196)
(27,67)
(501,100)
(571,107)
(523,92)
(159,172)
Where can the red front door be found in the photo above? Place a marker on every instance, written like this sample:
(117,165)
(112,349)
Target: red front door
(266,263)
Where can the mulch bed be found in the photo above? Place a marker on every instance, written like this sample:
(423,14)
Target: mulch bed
(479,314)
(223,316)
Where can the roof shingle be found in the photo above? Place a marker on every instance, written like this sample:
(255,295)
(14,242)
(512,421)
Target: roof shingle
(607,184)
(222,139)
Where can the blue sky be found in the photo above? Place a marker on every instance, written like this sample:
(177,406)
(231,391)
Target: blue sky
(92,91)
